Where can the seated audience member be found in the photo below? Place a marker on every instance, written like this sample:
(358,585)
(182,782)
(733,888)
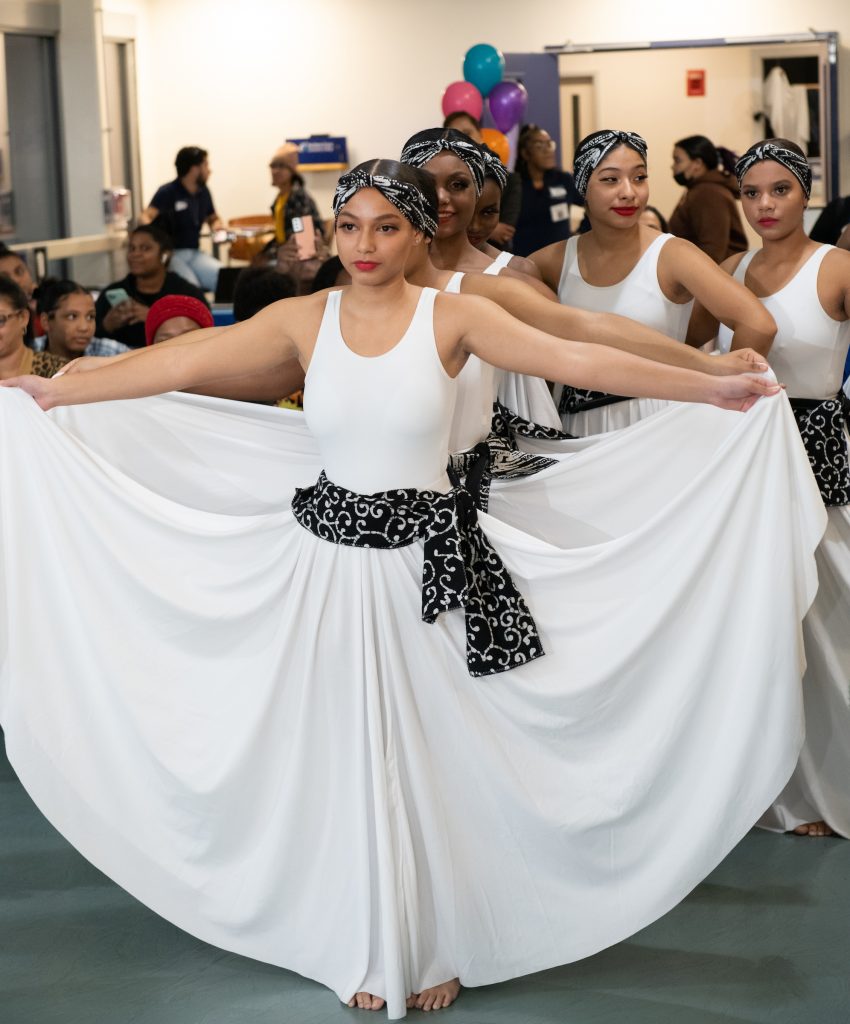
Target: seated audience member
(654,218)
(184,205)
(510,201)
(148,258)
(67,312)
(258,287)
(14,266)
(175,315)
(15,358)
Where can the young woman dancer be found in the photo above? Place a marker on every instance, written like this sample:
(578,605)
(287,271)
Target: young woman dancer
(286,654)
(459,166)
(622,266)
(485,220)
(806,288)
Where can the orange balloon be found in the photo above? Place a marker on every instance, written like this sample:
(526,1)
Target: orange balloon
(498,142)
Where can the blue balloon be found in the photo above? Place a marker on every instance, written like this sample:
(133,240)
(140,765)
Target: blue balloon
(483,67)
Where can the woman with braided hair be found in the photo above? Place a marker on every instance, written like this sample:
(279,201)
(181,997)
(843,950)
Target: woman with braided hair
(806,288)
(472,793)
(623,266)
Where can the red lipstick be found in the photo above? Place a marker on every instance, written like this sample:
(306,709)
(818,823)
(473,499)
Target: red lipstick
(625,211)
(768,221)
(365,265)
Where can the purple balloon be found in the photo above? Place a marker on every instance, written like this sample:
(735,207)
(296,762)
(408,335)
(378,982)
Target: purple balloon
(507,102)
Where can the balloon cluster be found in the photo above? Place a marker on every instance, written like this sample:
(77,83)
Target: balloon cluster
(483,68)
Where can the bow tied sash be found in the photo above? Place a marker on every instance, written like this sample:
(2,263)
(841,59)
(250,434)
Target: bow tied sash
(461,569)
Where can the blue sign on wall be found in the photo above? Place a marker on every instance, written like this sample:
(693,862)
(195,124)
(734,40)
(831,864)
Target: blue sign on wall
(327,151)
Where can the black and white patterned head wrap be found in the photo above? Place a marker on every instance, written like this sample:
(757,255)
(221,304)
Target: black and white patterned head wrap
(494,168)
(796,164)
(424,146)
(595,147)
(406,198)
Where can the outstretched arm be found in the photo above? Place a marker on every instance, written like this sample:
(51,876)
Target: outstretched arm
(253,347)
(725,299)
(605,329)
(496,337)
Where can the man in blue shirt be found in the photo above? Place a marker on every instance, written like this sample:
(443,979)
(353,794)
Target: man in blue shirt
(183,206)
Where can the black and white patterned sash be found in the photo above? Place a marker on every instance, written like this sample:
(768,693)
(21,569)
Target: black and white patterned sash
(822,423)
(581,399)
(461,568)
(498,455)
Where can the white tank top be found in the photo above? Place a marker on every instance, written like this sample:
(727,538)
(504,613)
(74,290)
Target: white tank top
(477,384)
(402,400)
(810,348)
(499,263)
(638,296)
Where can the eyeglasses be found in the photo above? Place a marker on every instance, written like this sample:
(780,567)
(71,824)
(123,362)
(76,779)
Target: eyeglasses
(6,317)
(544,144)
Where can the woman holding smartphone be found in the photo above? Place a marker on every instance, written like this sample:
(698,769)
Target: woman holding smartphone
(123,305)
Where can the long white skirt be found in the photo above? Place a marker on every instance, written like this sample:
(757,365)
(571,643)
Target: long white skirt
(819,789)
(252,730)
(530,398)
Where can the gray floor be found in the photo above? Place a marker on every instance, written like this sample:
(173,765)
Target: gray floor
(766,939)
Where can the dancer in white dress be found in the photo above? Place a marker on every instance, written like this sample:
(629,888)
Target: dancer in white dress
(486,218)
(806,288)
(459,167)
(622,266)
(462,824)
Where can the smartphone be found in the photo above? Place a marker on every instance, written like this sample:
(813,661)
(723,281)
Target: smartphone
(305,237)
(115,296)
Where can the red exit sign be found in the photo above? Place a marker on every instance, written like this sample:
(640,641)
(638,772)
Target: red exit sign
(695,82)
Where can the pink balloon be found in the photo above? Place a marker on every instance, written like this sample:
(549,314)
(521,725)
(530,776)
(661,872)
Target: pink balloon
(461,96)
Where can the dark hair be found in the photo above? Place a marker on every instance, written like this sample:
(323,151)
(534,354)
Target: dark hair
(418,177)
(52,291)
(456,115)
(258,287)
(698,147)
(662,220)
(12,292)
(187,158)
(6,251)
(525,133)
(157,232)
(327,274)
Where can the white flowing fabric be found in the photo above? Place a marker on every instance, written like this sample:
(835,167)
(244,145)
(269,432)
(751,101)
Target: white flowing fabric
(808,356)
(639,297)
(528,397)
(250,725)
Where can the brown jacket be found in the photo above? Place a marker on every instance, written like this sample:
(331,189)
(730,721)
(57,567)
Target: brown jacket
(708,216)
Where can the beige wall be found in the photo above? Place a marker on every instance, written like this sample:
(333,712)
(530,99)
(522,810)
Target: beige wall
(237,76)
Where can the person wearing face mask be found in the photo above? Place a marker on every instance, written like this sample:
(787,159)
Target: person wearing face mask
(707,214)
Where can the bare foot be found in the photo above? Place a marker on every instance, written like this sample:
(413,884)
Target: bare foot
(814,828)
(436,998)
(366,1001)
